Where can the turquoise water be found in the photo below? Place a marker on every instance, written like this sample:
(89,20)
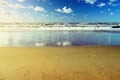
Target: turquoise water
(59,38)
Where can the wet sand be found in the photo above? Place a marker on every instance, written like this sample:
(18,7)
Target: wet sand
(60,63)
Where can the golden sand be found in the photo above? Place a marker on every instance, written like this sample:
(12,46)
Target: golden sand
(60,63)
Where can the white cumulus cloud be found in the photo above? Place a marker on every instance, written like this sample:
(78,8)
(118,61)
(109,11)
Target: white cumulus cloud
(101,4)
(38,8)
(21,0)
(30,7)
(16,6)
(90,1)
(3,3)
(64,10)
(113,3)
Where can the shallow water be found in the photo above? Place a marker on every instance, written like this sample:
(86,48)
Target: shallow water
(59,38)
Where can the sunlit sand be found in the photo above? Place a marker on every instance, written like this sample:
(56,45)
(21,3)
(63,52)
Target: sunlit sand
(60,63)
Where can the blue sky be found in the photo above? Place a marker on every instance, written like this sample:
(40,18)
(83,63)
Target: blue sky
(59,10)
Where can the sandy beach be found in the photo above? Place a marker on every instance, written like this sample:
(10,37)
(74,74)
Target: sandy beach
(60,63)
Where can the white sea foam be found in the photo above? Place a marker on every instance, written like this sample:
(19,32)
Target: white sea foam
(57,28)
(40,44)
(59,43)
(66,43)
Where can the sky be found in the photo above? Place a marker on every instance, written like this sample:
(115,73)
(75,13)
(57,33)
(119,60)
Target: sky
(59,10)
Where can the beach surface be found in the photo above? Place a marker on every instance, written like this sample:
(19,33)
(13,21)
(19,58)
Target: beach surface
(60,63)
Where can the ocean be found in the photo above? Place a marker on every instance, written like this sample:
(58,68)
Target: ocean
(59,38)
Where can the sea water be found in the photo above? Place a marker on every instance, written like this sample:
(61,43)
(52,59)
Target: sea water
(59,38)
